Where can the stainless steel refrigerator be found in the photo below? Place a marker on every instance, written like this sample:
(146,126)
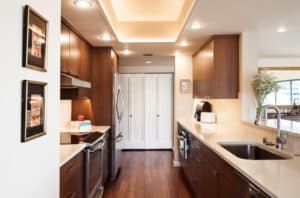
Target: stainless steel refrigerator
(116,135)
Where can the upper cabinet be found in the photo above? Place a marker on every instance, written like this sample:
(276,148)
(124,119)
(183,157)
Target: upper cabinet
(216,68)
(74,60)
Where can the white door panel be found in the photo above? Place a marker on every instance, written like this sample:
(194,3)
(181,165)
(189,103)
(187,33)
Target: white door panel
(150,110)
(165,110)
(136,109)
(124,81)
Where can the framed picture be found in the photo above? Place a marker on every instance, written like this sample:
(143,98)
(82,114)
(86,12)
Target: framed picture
(33,110)
(35,29)
(185,86)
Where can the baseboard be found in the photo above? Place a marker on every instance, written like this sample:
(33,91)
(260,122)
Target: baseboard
(177,163)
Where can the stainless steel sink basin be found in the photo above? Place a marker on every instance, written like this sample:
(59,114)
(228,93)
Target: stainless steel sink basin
(253,151)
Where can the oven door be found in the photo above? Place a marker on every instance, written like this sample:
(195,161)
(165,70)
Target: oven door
(94,170)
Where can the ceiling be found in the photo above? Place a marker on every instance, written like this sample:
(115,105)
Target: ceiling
(214,16)
(136,21)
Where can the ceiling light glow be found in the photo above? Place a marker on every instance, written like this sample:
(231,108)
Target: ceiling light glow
(106,37)
(183,44)
(196,26)
(126,52)
(148,62)
(83,3)
(281,29)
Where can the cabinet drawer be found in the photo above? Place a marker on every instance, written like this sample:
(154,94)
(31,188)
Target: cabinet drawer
(71,178)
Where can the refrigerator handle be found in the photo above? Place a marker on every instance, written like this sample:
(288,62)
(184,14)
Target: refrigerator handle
(122,104)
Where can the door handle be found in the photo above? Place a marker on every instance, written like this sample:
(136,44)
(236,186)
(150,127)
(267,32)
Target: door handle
(130,115)
(157,115)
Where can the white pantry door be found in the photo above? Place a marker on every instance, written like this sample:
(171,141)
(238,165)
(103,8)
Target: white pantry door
(151,136)
(165,111)
(136,112)
(158,111)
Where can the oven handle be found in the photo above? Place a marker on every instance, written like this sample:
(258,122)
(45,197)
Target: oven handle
(98,147)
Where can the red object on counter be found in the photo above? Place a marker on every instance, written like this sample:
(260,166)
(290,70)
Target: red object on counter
(80,118)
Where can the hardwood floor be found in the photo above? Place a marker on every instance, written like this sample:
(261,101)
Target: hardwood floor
(148,174)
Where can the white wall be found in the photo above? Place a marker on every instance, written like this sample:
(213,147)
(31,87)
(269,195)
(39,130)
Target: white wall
(248,68)
(279,62)
(183,103)
(28,170)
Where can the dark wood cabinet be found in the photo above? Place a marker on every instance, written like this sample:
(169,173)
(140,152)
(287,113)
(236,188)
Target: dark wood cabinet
(210,176)
(75,60)
(104,63)
(72,177)
(216,68)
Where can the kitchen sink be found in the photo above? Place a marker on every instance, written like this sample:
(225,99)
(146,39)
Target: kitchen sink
(252,151)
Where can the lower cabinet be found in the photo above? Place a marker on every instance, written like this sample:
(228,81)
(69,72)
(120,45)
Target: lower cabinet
(72,177)
(209,176)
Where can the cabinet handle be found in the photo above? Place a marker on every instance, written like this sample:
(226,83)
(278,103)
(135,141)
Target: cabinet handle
(72,195)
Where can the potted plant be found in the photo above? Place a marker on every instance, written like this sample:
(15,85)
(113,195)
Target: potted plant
(263,84)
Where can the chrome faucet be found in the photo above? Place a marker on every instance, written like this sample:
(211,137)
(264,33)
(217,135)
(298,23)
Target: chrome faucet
(280,138)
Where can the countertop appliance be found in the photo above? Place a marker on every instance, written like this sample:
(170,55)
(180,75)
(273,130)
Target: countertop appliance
(116,134)
(203,106)
(93,174)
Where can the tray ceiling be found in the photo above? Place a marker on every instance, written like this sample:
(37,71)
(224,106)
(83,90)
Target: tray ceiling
(147,21)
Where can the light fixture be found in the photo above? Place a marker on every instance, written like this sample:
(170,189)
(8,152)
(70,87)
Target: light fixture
(106,37)
(148,62)
(83,3)
(183,43)
(126,52)
(177,53)
(195,25)
(281,29)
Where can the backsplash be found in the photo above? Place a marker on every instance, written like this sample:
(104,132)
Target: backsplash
(65,112)
(228,111)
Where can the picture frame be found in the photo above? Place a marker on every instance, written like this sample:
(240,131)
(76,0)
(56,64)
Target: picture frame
(33,110)
(185,86)
(35,40)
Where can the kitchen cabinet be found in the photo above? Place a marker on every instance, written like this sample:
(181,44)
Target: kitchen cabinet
(148,109)
(75,60)
(72,177)
(216,68)
(210,176)
(104,62)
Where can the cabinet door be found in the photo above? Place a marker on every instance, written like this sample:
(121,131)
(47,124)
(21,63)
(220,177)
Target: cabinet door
(164,110)
(64,48)
(74,61)
(151,119)
(136,111)
(203,69)
(124,128)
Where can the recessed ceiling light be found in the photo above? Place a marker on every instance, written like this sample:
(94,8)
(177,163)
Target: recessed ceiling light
(183,43)
(177,53)
(106,37)
(83,3)
(126,52)
(281,29)
(195,25)
(148,62)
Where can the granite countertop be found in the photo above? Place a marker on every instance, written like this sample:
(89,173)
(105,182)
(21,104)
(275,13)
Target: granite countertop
(278,178)
(68,151)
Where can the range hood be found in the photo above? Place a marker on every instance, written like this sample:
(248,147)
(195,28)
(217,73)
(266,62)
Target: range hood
(68,81)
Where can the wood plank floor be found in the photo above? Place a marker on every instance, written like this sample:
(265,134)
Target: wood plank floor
(148,174)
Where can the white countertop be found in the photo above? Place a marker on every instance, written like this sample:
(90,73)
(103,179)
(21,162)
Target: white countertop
(278,178)
(290,126)
(68,151)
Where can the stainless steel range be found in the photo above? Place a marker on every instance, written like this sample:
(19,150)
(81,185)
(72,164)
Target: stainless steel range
(94,160)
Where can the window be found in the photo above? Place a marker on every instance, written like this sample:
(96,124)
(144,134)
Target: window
(288,93)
